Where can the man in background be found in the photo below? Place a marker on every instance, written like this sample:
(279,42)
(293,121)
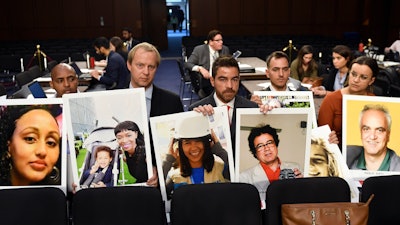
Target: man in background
(143,61)
(127,37)
(64,80)
(115,74)
(201,60)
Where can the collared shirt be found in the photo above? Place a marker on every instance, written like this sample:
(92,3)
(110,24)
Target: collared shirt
(385,166)
(339,82)
(213,56)
(231,104)
(148,93)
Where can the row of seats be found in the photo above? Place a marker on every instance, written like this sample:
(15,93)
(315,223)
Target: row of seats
(212,204)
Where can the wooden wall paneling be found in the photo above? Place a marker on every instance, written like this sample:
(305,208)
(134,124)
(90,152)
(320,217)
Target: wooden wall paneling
(100,11)
(23,21)
(230,12)
(5,21)
(155,23)
(302,12)
(278,13)
(128,13)
(253,12)
(203,16)
(75,15)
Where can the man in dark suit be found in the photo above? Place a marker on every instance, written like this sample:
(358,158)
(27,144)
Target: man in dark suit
(225,79)
(116,74)
(143,61)
(201,59)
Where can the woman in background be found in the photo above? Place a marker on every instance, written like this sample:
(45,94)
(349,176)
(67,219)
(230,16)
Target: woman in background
(118,46)
(304,68)
(337,78)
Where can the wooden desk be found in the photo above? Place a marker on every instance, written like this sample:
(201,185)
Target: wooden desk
(259,66)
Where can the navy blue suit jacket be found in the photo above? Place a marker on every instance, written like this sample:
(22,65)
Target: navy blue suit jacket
(117,75)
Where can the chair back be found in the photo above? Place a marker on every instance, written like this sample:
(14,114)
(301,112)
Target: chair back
(216,204)
(383,208)
(303,190)
(33,206)
(123,205)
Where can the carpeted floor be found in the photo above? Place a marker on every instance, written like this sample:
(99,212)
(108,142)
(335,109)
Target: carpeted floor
(168,74)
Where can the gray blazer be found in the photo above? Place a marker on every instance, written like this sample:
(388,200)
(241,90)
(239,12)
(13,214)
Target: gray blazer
(201,56)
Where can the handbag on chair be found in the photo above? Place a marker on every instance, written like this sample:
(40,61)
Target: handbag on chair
(332,213)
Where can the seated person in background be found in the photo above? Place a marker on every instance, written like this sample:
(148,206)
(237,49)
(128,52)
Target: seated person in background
(128,38)
(115,74)
(200,157)
(64,79)
(375,126)
(304,68)
(100,174)
(342,56)
(363,71)
(278,72)
(394,49)
(263,144)
(202,58)
(118,46)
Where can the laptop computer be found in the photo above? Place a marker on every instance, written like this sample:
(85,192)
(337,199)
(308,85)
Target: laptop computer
(36,90)
(79,72)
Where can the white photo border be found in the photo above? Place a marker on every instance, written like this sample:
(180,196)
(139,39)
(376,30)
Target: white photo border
(111,107)
(163,126)
(295,137)
(63,155)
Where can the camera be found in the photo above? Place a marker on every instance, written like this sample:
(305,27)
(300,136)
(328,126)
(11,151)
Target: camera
(286,174)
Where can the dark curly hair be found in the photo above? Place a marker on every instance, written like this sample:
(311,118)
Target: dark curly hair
(8,116)
(259,130)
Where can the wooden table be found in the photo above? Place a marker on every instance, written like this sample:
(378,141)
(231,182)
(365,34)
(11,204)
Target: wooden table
(259,66)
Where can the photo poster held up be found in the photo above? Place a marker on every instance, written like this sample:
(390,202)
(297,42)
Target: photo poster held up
(28,129)
(167,130)
(326,160)
(293,127)
(91,121)
(352,107)
(289,99)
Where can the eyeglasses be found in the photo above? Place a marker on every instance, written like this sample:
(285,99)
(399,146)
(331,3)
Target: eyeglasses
(360,76)
(268,144)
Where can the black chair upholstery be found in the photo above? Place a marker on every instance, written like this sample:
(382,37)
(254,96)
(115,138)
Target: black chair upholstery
(303,190)
(23,78)
(383,207)
(216,204)
(125,205)
(185,83)
(33,206)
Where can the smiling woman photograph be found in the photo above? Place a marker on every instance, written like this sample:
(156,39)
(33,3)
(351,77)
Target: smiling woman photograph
(30,141)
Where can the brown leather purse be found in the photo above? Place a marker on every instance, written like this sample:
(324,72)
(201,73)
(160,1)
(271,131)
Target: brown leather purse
(332,213)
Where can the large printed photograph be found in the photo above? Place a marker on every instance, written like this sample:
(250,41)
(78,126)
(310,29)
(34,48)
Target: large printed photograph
(371,126)
(33,151)
(191,148)
(108,138)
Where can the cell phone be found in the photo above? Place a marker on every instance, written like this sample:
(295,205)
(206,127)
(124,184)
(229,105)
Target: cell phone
(236,54)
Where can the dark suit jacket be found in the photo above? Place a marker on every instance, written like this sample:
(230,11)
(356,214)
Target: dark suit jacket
(164,102)
(329,80)
(201,56)
(240,102)
(117,75)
